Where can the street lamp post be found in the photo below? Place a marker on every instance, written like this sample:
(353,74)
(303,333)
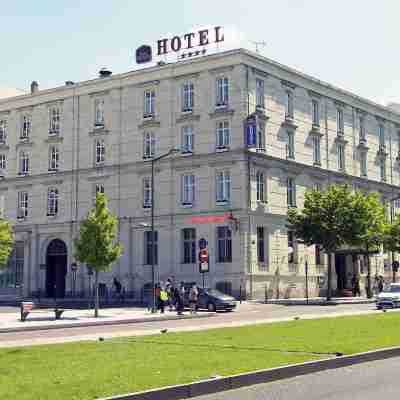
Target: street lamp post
(153,248)
(391,221)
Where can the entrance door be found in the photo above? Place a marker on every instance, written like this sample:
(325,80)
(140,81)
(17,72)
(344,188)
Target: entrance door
(56,268)
(340,268)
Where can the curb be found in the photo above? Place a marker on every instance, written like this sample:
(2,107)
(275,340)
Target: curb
(101,323)
(318,302)
(216,385)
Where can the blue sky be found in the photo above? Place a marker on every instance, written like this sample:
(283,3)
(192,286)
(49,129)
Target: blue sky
(352,44)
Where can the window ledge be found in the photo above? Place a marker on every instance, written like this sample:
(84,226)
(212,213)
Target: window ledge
(51,216)
(187,153)
(21,174)
(52,171)
(222,203)
(187,205)
(221,149)
(147,158)
(98,126)
(221,111)
(317,164)
(146,207)
(99,131)
(20,219)
(4,146)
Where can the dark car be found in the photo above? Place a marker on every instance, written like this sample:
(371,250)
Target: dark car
(212,300)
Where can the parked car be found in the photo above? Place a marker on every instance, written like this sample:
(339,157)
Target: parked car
(213,300)
(390,297)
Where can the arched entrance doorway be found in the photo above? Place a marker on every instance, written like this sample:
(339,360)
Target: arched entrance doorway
(56,268)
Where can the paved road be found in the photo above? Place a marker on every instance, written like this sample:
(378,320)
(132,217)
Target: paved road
(248,313)
(370,381)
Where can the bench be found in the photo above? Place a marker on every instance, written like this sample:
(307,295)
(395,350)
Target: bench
(28,306)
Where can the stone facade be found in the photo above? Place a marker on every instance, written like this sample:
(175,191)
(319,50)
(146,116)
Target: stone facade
(276,157)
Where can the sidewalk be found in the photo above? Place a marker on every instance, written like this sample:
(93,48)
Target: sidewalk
(322,301)
(44,319)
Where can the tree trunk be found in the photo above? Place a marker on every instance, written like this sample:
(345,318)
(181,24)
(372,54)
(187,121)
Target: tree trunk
(329,289)
(369,291)
(96,301)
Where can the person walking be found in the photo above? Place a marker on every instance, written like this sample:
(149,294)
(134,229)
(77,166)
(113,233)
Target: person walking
(355,283)
(380,283)
(178,301)
(163,299)
(169,289)
(193,297)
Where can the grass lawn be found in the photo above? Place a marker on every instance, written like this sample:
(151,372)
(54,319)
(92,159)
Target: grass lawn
(89,370)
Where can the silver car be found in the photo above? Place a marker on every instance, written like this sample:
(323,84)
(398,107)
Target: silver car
(389,298)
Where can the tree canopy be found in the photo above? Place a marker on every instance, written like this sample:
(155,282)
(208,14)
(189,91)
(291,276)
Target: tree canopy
(6,241)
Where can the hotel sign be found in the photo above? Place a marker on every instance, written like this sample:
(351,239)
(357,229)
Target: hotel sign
(187,45)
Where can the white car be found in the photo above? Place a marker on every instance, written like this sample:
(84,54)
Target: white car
(390,297)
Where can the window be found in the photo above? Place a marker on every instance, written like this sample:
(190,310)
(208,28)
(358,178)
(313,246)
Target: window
(100,151)
(189,245)
(224,244)
(340,157)
(148,145)
(290,144)
(260,137)
(147,192)
(222,92)
(316,142)
(149,252)
(54,121)
(317,186)
(381,130)
(289,105)
(23,163)
(363,163)
(187,97)
(149,99)
(260,244)
(187,139)
(52,202)
(25,127)
(382,167)
(3,131)
(99,112)
(3,162)
(260,186)
(339,122)
(318,255)
(54,158)
(362,129)
(187,189)
(315,112)
(291,192)
(97,188)
(223,186)
(22,207)
(260,98)
(292,247)
(223,134)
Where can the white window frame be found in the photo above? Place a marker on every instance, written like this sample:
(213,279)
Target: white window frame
(149,97)
(99,113)
(188,189)
(315,112)
(23,163)
(224,243)
(223,133)
(146,182)
(26,126)
(54,158)
(149,145)
(260,187)
(3,131)
(223,187)
(23,204)
(187,97)
(3,162)
(222,92)
(52,202)
(189,244)
(100,151)
(187,139)
(381,134)
(316,143)
(260,93)
(54,121)
(341,161)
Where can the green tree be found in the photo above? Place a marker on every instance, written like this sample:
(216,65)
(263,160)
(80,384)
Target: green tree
(6,241)
(96,245)
(392,239)
(370,226)
(325,220)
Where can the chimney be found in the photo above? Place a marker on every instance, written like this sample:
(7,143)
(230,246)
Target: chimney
(34,87)
(69,83)
(105,73)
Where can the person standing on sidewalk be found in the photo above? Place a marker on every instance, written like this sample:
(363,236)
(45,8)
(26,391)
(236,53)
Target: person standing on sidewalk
(193,297)
(163,299)
(178,301)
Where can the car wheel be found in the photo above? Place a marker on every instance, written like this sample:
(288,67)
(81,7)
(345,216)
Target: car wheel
(211,307)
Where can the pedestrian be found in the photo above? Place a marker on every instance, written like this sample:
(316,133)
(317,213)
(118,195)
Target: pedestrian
(380,283)
(118,288)
(375,285)
(178,301)
(169,289)
(355,283)
(163,299)
(157,296)
(193,297)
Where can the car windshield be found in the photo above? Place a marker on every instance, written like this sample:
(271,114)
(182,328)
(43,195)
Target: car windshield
(216,293)
(395,289)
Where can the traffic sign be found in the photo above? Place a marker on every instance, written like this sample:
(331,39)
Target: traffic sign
(203,243)
(204,267)
(203,256)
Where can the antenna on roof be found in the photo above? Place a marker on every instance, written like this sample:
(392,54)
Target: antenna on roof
(259,44)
